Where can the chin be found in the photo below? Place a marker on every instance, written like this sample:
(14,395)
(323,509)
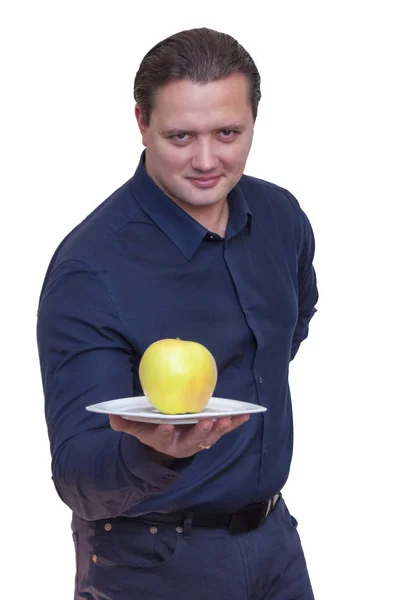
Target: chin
(203,199)
(205,196)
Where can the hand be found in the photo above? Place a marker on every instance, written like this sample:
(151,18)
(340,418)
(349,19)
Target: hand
(178,441)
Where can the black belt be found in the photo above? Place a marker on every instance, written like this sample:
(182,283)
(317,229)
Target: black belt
(248,518)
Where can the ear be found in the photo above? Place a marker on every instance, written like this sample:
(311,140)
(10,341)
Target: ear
(141,123)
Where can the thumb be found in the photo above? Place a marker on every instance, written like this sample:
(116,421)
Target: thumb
(139,430)
(118,423)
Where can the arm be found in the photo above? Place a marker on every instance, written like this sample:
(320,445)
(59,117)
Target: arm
(85,359)
(307,283)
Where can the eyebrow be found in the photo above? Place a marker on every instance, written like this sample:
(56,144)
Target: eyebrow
(175,131)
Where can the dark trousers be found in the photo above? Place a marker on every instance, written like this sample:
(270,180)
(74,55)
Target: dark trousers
(148,561)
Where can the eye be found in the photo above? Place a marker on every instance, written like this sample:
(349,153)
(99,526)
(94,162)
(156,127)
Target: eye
(228,133)
(180,137)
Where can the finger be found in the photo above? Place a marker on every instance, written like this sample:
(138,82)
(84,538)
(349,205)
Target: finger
(135,428)
(208,432)
(121,424)
(239,420)
(225,424)
(165,428)
(164,433)
(222,427)
(118,423)
(192,437)
(203,427)
(158,437)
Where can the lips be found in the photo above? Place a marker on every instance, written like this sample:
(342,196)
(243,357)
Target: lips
(204,182)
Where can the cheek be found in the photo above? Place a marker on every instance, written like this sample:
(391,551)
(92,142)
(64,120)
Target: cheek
(236,164)
(235,155)
(173,161)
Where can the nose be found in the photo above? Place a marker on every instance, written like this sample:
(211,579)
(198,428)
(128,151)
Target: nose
(204,158)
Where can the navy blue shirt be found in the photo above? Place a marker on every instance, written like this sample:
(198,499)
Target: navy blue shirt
(139,269)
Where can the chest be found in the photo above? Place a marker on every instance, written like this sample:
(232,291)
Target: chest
(227,296)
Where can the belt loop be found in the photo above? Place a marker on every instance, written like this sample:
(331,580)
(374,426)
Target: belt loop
(187,525)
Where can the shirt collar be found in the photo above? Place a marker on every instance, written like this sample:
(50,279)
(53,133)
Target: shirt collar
(184,231)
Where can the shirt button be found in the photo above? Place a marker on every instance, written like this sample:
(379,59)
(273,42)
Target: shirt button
(153,529)
(94,557)
(107,526)
(179,529)
(170,477)
(260,379)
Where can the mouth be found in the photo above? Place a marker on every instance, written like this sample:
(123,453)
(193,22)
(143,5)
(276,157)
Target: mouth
(204,182)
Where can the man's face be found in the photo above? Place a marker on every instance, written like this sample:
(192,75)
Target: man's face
(198,139)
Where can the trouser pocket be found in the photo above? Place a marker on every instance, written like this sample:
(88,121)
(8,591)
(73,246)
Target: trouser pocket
(130,543)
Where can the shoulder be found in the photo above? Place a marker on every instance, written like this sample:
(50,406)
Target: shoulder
(262,196)
(84,248)
(99,228)
(272,203)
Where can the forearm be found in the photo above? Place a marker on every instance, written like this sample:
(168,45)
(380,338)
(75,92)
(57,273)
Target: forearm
(86,358)
(302,328)
(307,288)
(102,473)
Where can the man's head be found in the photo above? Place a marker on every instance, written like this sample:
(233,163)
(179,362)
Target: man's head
(197,94)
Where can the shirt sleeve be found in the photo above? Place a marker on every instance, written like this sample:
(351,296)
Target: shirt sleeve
(85,359)
(307,282)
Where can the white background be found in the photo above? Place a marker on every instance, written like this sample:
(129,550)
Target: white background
(327,131)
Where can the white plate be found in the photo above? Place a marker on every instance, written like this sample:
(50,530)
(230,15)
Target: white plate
(139,409)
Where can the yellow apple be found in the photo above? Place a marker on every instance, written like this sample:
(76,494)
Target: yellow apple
(178,376)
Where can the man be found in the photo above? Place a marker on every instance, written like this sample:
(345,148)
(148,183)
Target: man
(191,248)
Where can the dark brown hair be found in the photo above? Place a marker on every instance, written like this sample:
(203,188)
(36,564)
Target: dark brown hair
(198,55)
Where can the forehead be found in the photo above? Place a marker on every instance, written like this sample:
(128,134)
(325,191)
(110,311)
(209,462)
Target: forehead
(190,102)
